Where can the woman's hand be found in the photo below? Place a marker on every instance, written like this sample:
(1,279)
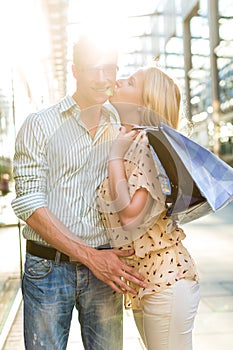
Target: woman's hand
(122,143)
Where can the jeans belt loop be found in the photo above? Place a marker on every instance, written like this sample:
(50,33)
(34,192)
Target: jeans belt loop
(57,257)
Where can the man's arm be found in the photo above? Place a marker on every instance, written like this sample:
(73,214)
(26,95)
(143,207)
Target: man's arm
(30,173)
(106,265)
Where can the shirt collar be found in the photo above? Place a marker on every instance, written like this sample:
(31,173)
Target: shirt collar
(67,103)
(108,112)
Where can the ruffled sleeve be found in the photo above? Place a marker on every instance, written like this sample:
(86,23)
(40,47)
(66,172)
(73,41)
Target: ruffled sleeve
(142,170)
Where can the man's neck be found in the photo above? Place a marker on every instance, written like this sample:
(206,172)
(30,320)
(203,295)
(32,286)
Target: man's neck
(91,117)
(90,114)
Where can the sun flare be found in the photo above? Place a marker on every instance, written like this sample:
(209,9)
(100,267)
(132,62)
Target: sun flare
(104,21)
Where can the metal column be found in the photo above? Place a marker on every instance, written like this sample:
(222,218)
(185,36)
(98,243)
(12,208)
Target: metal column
(213,15)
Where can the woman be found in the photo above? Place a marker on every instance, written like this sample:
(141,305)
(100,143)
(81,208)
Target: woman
(132,206)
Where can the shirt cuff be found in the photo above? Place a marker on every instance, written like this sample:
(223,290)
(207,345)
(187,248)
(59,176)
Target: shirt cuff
(25,206)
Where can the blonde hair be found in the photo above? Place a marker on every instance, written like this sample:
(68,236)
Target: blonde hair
(161,97)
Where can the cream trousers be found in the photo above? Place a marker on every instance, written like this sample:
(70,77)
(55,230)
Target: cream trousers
(167,318)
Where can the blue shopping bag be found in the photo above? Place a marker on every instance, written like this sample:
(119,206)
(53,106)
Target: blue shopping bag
(200,182)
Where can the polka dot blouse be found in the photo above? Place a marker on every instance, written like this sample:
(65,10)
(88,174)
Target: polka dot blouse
(159,253)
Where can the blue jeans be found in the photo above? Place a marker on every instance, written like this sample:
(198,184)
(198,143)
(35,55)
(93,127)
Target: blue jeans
(51,289)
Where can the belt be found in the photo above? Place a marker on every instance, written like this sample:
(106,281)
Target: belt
(49,253)
(45,252)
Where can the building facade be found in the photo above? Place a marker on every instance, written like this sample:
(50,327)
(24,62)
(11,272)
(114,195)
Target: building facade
(192,40)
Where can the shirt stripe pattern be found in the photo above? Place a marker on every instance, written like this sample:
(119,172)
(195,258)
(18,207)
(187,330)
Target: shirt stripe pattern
(58,165)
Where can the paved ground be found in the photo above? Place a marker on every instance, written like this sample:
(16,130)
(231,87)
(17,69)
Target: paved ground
(210,241)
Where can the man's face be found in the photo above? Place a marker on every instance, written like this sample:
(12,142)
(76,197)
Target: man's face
(95,81)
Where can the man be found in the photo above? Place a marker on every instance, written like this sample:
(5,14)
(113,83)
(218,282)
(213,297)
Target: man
(60,159)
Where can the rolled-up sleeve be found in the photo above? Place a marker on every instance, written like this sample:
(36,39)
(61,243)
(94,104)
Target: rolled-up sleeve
(30,168)
(25,206)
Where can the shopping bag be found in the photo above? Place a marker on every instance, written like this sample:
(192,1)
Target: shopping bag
(200,182)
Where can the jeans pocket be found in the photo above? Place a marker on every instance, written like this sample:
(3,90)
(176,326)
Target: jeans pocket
(37,268)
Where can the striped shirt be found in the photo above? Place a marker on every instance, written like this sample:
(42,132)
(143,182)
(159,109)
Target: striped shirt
(58,165)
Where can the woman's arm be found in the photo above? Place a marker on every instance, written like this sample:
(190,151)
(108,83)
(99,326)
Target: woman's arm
(130,210)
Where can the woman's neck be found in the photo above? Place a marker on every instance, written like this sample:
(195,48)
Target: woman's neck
(130,116)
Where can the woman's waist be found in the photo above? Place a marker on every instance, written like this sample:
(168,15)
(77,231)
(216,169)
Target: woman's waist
(176,251)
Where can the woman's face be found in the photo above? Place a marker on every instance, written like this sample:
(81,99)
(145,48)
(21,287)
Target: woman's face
(129,90)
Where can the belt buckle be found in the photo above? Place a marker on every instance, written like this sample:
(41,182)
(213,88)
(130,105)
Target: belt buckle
(73,261)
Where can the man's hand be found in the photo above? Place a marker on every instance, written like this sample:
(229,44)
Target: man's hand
(107,266)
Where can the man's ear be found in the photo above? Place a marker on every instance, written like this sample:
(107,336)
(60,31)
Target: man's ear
(74,71)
